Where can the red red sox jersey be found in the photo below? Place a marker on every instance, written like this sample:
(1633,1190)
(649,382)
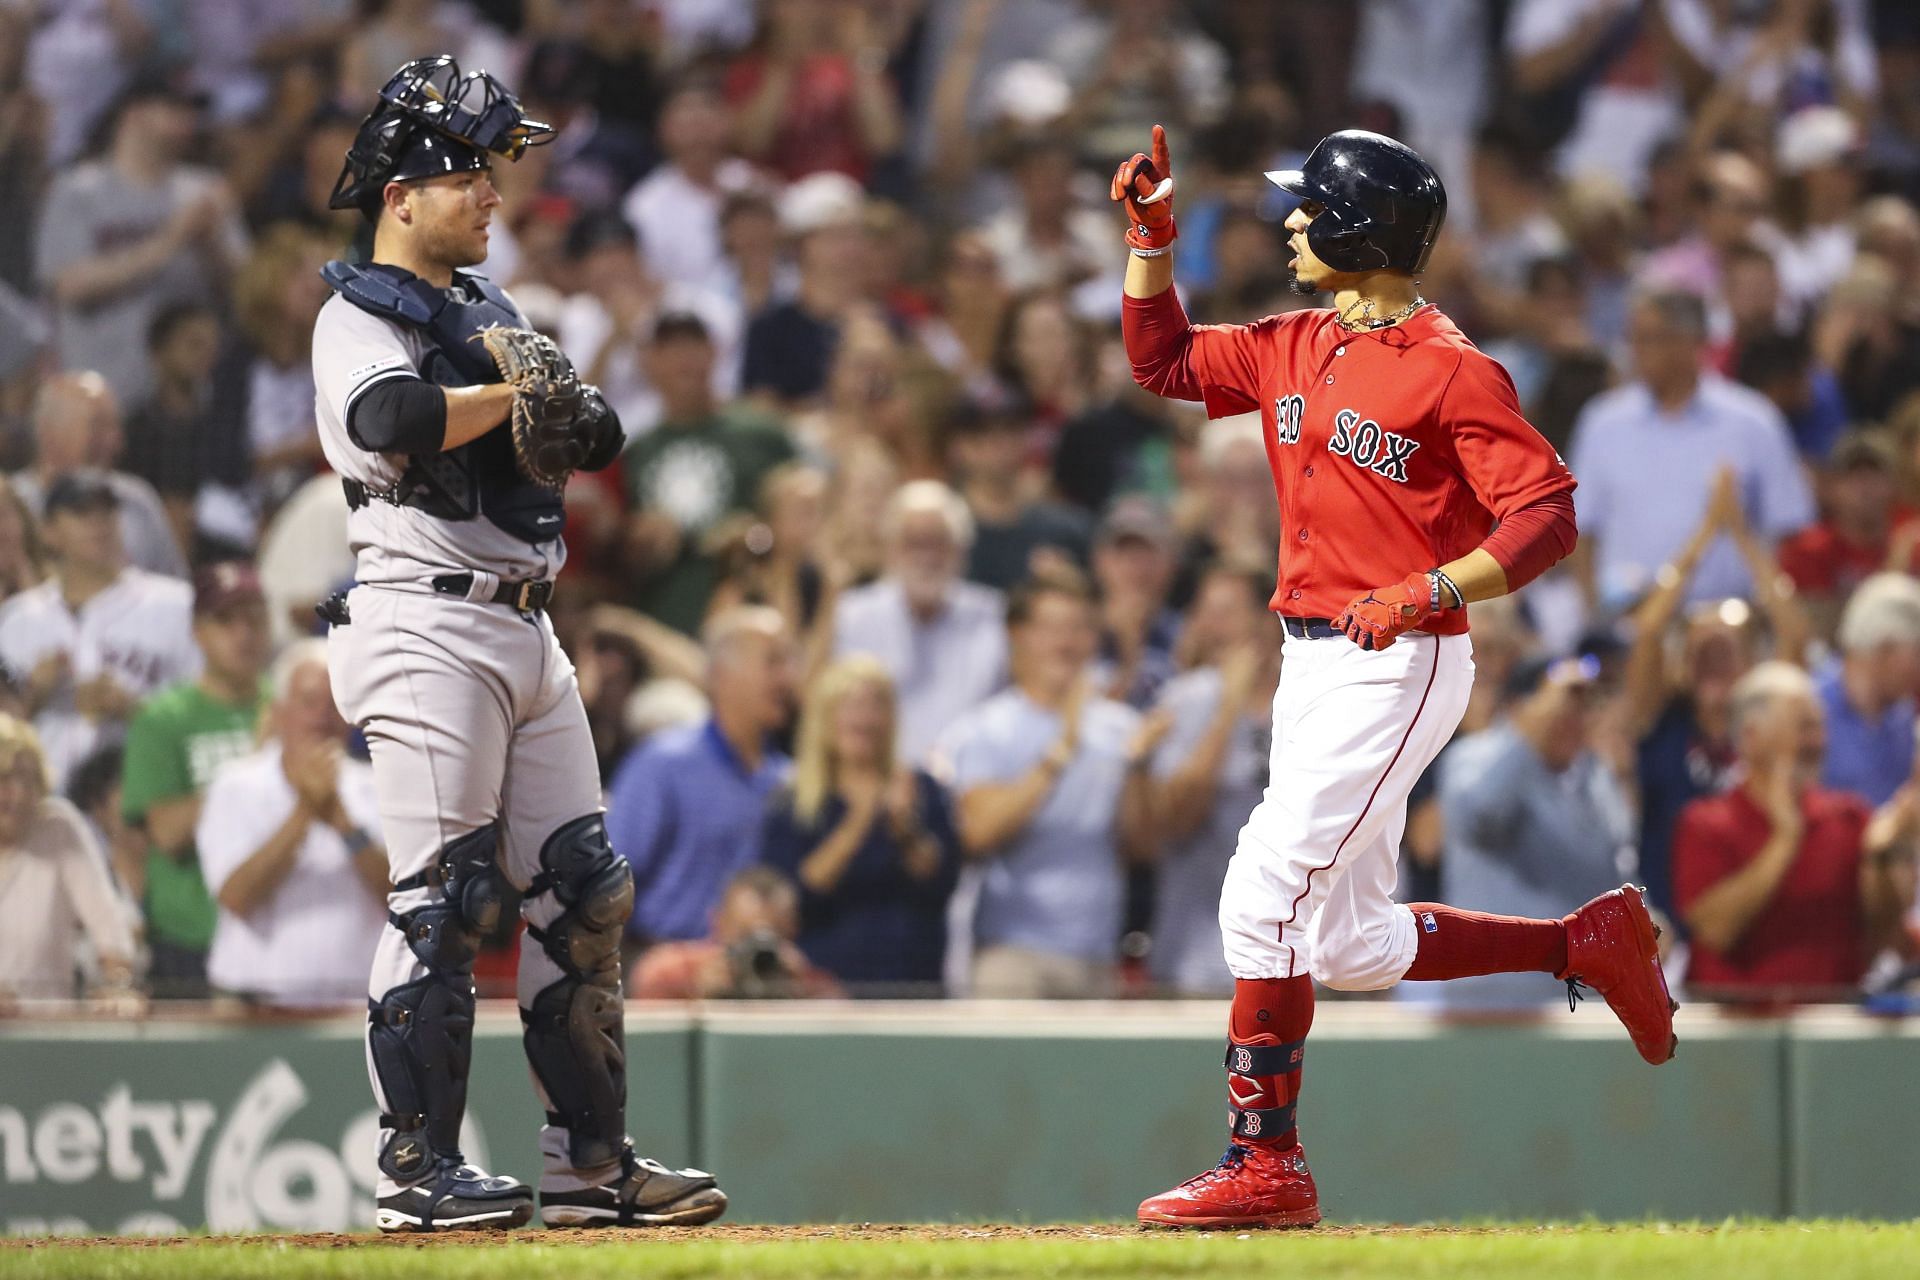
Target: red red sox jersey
(1392,451)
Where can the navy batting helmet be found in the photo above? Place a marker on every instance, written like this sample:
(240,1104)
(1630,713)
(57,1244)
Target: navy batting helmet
(431,120)
(1381,204)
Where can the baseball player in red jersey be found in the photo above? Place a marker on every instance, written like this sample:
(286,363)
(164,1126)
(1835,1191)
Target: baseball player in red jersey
(1409,486)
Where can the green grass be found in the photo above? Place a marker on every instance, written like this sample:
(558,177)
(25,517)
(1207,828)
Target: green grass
(1748,1251)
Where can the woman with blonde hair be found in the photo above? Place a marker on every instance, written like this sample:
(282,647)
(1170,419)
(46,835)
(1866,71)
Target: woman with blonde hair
(53,882)
(870,841)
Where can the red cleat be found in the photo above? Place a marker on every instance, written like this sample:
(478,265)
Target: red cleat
(1252,1186)
(1612,946)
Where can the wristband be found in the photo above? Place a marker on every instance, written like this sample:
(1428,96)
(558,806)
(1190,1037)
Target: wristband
(1440,579)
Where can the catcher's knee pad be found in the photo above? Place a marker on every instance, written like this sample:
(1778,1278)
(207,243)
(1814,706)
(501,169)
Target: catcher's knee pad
(446,934)
(420,1033)
(574,1027)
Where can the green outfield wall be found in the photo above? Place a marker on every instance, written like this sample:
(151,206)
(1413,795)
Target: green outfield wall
(993,1112)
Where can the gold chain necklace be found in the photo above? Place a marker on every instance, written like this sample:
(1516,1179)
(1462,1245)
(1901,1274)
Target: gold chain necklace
(1368,322)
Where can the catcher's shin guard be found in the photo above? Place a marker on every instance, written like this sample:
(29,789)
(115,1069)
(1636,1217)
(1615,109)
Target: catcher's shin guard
(573,1029)
(420,1033)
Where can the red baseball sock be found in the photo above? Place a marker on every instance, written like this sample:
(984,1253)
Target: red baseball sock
(1268,1014)
(1465,944)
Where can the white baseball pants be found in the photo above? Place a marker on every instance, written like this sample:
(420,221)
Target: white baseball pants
(1310,886)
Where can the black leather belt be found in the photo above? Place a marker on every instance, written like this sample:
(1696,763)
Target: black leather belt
(530,596)
(1311,628)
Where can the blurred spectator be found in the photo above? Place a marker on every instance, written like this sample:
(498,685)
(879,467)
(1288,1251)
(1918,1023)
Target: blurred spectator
(1647,453)
(941,639)
(1048,779)
(1819,151)
(1781,367)
(176,741)
(79,57)
(1677,714)
(1869,328)
(1855,535)
(1210,771)
(685,807)
(1867,691)
(676,208)
(397,30)
(637,676)
(76,424)
(1533,814)
(813,94)
(1729,195)
(1049,238)
(1226,510)
(790,345)
(289,841)
(704,462)
(96,636)
(304,555)
(748,952)
(177,433)
(1786,888)
(1133,566)
(26,127)
(1046,356)
(23,560)
(869,839)
(277,295)
(56,887)
(123,236)
(609,323)
(755,275)
(773,558)
(1133,64)
(1012,530)
(1602,78)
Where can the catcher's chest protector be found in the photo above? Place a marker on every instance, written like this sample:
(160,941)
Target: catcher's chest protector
(479,478)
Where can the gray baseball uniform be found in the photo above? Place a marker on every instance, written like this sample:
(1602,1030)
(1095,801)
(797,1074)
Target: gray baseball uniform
(479,743)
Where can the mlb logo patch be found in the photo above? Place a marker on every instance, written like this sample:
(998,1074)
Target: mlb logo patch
(1428,923)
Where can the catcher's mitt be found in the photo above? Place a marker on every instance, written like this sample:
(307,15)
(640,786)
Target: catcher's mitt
(555,417)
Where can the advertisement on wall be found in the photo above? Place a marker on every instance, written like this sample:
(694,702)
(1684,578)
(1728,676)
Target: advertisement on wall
(272,1131)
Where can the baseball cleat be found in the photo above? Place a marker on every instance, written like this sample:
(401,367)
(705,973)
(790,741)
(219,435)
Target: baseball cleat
(458,1197)
(1613,947)
(1252,1186)
(644,1193)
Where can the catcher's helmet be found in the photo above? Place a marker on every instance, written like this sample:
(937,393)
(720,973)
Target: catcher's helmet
(1382,205)
(432,120)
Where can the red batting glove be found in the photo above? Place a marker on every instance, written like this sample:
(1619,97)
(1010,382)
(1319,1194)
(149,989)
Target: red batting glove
(1376,619)
(1143,186)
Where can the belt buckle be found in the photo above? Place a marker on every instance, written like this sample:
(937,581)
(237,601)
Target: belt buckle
(532,596)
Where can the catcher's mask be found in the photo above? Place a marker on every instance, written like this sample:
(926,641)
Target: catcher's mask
(431,120)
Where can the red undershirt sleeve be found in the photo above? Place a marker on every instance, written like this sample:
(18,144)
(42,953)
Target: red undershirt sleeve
(1218,364)
(1533,539)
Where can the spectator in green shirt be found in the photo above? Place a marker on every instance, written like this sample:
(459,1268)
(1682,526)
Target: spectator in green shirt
(704,462)
(176,741)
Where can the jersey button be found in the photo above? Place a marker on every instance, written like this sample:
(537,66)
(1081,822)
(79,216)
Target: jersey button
(1339,351)
(1303,535)
(1329,379)
(1309,473)
(1294,594)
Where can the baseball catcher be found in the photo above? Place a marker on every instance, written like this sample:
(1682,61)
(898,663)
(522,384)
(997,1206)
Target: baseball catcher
(454,427)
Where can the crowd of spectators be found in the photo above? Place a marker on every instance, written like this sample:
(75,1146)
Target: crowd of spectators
(923,651)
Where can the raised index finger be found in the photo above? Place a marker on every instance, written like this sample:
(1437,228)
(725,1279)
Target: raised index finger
(1161,160)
